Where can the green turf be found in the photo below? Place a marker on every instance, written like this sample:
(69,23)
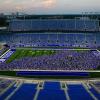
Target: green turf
(82,50)
(20,53)
(28,52)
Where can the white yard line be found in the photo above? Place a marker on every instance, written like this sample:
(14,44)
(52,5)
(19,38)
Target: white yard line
(4,53)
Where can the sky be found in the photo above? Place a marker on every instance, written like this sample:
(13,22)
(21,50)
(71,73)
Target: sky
(49,6)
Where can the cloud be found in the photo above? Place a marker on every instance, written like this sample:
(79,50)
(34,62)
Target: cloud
(48,3)
(7,1)
(35,4)
(49,6)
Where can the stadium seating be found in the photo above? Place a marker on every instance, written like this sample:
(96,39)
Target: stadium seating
(61,60)
(25,92)
(8,92)
(4,85)
(49,90)
(54,25)
(97,94)
(78,92)
(70,40)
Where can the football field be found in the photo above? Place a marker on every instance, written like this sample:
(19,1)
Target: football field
(29,52)
(21,53)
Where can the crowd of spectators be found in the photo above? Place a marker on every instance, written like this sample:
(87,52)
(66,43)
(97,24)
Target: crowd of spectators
(61,60)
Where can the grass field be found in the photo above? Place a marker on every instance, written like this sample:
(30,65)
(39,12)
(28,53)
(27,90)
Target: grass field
(20,53)
(28,52)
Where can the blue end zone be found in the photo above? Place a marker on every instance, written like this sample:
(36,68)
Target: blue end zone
(51,73)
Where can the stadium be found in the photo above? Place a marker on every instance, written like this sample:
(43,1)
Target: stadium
(51,44)
(50,56)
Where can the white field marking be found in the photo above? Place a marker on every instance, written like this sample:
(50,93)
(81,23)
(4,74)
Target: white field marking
(4,53)
(57,70)
(61,49)
(58,48)
(90,93)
